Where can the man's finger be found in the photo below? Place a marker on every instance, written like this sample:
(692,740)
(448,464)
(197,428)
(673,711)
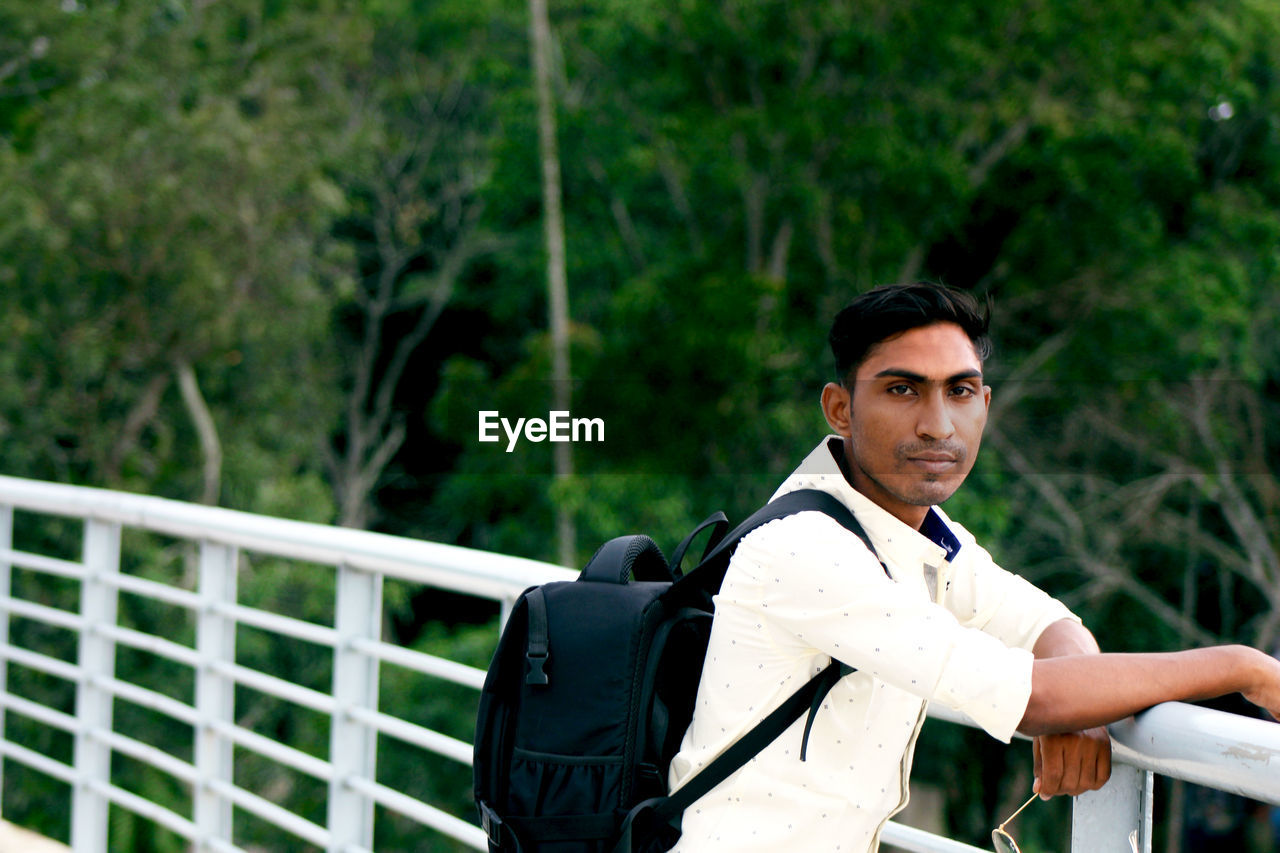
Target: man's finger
(1073,770)
(1036,763)
(1094,750)
(1084,759)
(1103,772)
(1050,769)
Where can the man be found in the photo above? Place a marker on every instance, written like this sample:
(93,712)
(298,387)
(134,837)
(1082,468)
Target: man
(938,621)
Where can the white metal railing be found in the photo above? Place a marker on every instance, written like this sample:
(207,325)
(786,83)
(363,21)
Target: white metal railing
(360,563)
(1206,747)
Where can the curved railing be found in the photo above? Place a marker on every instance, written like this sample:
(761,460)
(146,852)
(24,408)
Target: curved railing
(206,613)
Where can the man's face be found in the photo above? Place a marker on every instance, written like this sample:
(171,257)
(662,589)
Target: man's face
(913,420)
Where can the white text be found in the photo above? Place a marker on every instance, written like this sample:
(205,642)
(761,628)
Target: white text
(558,427)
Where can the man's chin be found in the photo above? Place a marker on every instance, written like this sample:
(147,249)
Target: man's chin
(930,493)
(909,490)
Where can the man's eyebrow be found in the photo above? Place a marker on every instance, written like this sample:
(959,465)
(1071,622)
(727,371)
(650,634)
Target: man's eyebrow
(902,373)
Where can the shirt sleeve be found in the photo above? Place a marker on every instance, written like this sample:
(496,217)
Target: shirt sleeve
(814,586)
(998,602)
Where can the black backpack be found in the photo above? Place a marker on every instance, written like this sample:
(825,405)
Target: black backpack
(592,687)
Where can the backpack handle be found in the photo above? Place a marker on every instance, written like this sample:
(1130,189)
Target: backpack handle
(705,578)
(717,519)
(624,556)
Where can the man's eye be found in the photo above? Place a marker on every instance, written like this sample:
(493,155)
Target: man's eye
(900,389)
(963,391)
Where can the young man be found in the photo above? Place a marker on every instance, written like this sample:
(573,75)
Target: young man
(938,621)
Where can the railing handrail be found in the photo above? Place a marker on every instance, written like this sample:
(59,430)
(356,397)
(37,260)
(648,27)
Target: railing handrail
(1236,754)
(469,570)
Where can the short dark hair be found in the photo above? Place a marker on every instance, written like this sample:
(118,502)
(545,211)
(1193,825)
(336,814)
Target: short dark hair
(892,309)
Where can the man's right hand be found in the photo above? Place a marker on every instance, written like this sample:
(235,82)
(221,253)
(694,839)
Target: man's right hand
(1266,692)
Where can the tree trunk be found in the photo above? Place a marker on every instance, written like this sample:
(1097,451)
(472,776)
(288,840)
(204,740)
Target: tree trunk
(557,285)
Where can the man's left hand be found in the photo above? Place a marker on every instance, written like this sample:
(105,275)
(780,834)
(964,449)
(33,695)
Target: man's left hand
(1072,763)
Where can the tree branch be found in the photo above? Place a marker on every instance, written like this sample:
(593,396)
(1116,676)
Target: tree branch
(202,418)
(1084,551)
(142,413)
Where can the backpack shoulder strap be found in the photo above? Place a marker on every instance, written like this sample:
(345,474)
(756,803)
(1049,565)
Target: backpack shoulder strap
(661,814)
(709,573)
(826,503)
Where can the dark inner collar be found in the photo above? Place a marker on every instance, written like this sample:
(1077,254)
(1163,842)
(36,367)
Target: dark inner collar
(936,531)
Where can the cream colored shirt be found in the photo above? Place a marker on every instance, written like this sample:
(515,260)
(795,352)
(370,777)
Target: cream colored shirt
(802,590)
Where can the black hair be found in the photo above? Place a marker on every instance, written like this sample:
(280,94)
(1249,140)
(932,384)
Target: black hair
(892,309)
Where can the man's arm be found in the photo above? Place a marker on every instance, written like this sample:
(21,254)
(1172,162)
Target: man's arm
(1077,692)
(1072,762)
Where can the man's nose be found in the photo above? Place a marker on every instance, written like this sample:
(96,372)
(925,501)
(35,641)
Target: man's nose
(935,418)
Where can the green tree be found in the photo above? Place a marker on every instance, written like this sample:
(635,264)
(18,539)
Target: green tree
(414,226)
(163,252)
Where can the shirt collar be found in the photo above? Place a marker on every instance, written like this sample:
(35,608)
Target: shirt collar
(932,543)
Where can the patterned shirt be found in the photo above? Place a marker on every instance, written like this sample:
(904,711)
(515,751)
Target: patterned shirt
(950,627)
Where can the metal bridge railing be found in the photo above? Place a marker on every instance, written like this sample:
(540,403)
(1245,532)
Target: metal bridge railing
(352,568)
(358,563)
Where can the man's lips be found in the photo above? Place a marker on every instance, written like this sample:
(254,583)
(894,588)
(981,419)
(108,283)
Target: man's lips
(932,462)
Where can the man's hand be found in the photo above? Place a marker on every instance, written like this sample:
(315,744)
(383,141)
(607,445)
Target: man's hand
(1071,763)
(1265,688)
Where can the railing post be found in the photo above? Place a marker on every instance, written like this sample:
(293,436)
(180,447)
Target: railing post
(215,692)
(97,659)
(353,744)
(1103,820)
(6,587)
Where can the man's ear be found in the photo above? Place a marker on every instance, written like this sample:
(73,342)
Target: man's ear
(837,407)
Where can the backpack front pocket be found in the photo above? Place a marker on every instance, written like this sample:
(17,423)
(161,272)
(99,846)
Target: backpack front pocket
(545,783)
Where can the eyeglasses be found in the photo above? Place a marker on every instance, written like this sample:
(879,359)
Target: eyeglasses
(1004,842)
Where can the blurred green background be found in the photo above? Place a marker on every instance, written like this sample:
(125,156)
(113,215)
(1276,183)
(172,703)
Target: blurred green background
(276,255)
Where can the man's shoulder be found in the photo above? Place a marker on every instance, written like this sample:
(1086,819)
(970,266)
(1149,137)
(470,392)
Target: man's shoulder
(808,534)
